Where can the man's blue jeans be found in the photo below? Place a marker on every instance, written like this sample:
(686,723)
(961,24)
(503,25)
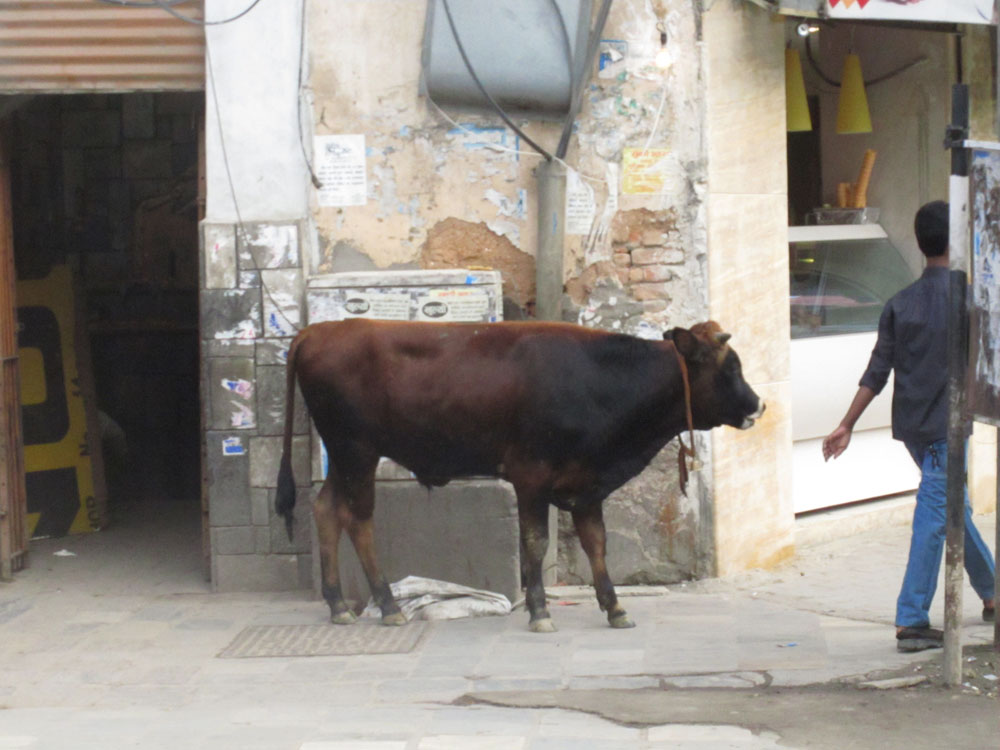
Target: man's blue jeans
(927,542)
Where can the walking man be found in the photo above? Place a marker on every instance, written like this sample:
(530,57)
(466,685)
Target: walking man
(912,341)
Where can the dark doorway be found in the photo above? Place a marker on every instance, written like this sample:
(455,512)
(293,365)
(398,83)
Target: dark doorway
(105,188)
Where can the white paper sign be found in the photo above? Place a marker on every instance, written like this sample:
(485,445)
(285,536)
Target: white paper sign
(579,204)
(340,166)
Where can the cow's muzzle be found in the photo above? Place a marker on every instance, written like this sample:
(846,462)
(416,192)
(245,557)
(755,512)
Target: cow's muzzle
(749,420)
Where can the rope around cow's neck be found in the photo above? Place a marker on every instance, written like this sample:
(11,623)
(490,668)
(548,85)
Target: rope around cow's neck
(684,451)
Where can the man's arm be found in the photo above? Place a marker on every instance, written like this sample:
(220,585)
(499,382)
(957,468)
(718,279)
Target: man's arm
(837,441)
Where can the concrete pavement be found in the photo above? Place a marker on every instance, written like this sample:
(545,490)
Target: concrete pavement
(118,644)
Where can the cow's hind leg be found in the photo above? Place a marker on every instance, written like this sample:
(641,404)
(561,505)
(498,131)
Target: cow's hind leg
(355,506)
(589,524)
(533,515)
(328,528)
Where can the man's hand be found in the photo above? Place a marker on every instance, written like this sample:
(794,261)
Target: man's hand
(836,442)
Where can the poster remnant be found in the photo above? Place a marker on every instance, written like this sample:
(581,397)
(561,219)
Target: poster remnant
(580,205)
(984,308)
(644,170)
(340,166)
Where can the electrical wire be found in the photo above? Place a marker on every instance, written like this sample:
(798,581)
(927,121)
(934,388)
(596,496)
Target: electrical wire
(482,89)
(505,149)
(167,5)
(869,82)
(232,190)
(317,183)
(149,4)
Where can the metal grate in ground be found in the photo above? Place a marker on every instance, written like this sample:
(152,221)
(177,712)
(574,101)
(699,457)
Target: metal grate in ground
(324,640)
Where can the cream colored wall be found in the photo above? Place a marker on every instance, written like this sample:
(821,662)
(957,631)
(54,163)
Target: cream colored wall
(748,277)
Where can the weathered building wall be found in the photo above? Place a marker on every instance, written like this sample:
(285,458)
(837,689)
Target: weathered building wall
(748,279)
(438,196)
(251,288)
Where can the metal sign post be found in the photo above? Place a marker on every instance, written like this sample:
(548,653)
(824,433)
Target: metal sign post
(958,222)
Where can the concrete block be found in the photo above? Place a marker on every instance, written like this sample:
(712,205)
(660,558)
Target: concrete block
(147,160)
(230,313)
(262,540)
(219,250)
(227,348)
(261,502)
(273,351)
(465,532)
(271,389)
(91,128)
(227,456)
(256,573)
(269,246)
(265,457)
(232,394)
(233,540)
(282,297)
(138,116)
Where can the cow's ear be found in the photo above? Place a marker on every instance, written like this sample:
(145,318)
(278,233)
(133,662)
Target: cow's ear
(685,341)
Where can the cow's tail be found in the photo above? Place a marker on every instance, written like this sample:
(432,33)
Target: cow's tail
(284,502)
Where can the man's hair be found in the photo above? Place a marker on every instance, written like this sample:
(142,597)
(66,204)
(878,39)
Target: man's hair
(931,228)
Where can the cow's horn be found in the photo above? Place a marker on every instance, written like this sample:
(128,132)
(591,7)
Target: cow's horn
(723,337)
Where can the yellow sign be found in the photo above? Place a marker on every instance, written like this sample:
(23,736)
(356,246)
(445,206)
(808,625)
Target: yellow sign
(57,457)
(644,170)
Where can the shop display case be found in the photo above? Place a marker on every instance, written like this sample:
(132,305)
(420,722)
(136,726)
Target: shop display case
(840,277)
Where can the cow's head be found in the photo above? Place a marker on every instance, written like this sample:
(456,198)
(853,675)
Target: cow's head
(719,394)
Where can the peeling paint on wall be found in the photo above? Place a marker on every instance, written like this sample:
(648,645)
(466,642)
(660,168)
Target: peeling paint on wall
(454,243)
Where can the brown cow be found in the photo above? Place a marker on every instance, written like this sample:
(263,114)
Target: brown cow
(566,414)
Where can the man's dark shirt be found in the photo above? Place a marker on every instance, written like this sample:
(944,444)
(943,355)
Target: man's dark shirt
(912,340)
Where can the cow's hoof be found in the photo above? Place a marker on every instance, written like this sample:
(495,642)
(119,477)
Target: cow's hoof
(542,625)
(620,620)
(344,618)
(396,618)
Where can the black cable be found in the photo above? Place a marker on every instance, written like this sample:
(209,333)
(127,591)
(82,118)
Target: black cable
(317,183)
(150,4)
(167,5)
(482,89)
(592,43)
(871,82)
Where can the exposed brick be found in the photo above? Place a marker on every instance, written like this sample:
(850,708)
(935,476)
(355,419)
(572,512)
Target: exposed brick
(653,236)
(648,291)
(656,272)
(622,259)
(673,255)
(655,305)
(643,256)
(623,274)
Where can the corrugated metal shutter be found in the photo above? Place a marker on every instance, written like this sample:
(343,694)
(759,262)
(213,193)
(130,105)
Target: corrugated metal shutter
(85,45)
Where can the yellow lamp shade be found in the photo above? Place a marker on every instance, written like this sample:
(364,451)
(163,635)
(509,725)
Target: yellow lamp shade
(796,106)
(852,109)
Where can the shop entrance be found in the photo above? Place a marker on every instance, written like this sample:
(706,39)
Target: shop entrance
(105,203)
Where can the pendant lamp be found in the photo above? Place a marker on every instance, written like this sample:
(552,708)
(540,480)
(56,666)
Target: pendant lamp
(852,109)
(796,106)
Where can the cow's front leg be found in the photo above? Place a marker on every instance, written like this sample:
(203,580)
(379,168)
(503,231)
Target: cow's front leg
(589,522)
(533,514)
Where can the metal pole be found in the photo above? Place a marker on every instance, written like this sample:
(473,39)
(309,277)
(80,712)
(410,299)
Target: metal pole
(958,221)
(996,552)
(551,179)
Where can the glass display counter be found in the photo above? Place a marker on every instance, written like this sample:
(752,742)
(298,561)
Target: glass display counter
(840,277)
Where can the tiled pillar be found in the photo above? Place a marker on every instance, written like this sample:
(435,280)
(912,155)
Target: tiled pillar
(251,292)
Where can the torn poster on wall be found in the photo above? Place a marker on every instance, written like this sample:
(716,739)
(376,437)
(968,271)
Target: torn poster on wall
(580,208)
(340,166)
(984,311)
(644,170)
